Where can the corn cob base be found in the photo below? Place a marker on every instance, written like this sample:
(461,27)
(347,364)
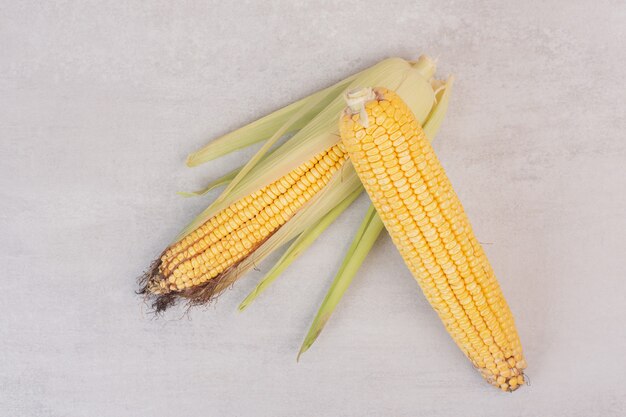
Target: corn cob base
(427,223)
(199,266)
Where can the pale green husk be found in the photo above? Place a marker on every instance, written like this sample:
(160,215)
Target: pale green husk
(265,127)
(321,132)
(218,182)
(363,241)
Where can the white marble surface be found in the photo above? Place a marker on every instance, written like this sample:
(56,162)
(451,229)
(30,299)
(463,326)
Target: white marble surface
(99,104)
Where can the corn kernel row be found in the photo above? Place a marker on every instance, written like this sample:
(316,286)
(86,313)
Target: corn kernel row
(426,221)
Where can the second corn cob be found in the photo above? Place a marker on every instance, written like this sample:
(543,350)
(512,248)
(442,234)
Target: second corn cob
(192,267)
(426,221)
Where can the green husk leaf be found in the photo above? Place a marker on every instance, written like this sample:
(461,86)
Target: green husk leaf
(265,127)
(302,242)
(218,182)
(358,251)
(258,157)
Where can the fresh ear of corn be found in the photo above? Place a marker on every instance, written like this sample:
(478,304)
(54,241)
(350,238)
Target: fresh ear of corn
(426,221)
(252,217)
(194,266)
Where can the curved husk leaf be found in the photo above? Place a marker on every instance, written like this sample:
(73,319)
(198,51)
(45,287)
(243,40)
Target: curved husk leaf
(363,241)
(218,182)
(266,126)
(321,132)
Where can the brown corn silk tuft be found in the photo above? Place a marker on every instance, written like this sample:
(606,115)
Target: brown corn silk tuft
(413,196)
(198,267)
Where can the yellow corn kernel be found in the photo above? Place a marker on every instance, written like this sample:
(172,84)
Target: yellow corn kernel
(421,212)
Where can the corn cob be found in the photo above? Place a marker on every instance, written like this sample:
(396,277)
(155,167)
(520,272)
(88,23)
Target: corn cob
(192,267)
(420,210)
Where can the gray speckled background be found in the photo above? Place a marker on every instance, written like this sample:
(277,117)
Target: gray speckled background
(101,101)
